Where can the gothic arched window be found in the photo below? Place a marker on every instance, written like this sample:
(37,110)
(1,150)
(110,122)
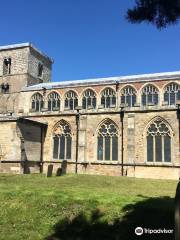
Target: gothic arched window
(158,142)
(71,100)
(89,99)
(37,102)
(62,141)
(107,141)
(53,101)
(128,96)
(149,95)
(172,93)
(108,98)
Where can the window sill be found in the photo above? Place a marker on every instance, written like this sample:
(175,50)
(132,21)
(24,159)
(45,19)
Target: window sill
(110,162)
(159,163)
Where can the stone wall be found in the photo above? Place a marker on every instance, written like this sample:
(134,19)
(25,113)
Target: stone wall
(135,123)
(34,59)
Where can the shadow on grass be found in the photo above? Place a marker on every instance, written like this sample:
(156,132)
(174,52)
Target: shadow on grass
(153,213)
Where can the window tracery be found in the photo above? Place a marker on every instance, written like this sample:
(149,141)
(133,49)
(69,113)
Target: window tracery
(37,102)
(53,101)
(150,95)
(158,142)
(128,96)
(172,93)
(62,141)
(71,100)
(108,98)
(89,99)
(107,142)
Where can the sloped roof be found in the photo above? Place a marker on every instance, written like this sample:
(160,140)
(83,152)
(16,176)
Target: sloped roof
(104,81)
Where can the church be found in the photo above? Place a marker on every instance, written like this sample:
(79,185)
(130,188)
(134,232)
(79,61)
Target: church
(118,126)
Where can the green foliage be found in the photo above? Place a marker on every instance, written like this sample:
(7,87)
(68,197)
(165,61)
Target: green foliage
(35,207)
(158,12)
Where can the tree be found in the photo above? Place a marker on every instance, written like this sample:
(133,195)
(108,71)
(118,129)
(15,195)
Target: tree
(160,13)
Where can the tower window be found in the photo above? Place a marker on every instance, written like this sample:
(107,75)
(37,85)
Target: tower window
(7,66)
(40,70)
(5,88)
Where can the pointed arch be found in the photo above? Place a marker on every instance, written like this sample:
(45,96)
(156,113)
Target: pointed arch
(107,141)
(62,140)
(158,118)
(106,120)
(158,141)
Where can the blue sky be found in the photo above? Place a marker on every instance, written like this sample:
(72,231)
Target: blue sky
(90,38)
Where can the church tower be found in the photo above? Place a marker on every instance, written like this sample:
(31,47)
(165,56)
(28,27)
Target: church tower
(22,65)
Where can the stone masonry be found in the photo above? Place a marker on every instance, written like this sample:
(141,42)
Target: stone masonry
(27,130)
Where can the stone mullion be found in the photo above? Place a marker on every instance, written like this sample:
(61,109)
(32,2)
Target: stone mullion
(73,100)
(65,147)
(154,149)
(103,148)
(162,141)
(59,147)
(110,148)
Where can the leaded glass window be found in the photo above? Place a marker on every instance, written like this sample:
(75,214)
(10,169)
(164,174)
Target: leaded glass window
(158,142)
(108,98)
(128,96)
(89,99)
(71,100)
(37,102)
(107,142)
(53,101)
(62,141)
(150,95)
(172,93)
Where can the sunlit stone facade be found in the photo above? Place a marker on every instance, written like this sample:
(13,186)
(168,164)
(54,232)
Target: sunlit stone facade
(112,126)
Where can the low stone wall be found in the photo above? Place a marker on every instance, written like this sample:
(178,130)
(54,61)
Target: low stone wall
(10,168)
(154,172)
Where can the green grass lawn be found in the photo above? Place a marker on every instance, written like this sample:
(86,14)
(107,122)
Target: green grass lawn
(83,207)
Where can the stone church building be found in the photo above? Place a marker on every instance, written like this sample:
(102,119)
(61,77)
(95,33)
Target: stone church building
(126,126)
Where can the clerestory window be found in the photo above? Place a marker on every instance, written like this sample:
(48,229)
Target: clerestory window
(89,99)
(71,100)
(37,102)
(53,101)
(108,98)
(150,95)
(128,96)
(172,93)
